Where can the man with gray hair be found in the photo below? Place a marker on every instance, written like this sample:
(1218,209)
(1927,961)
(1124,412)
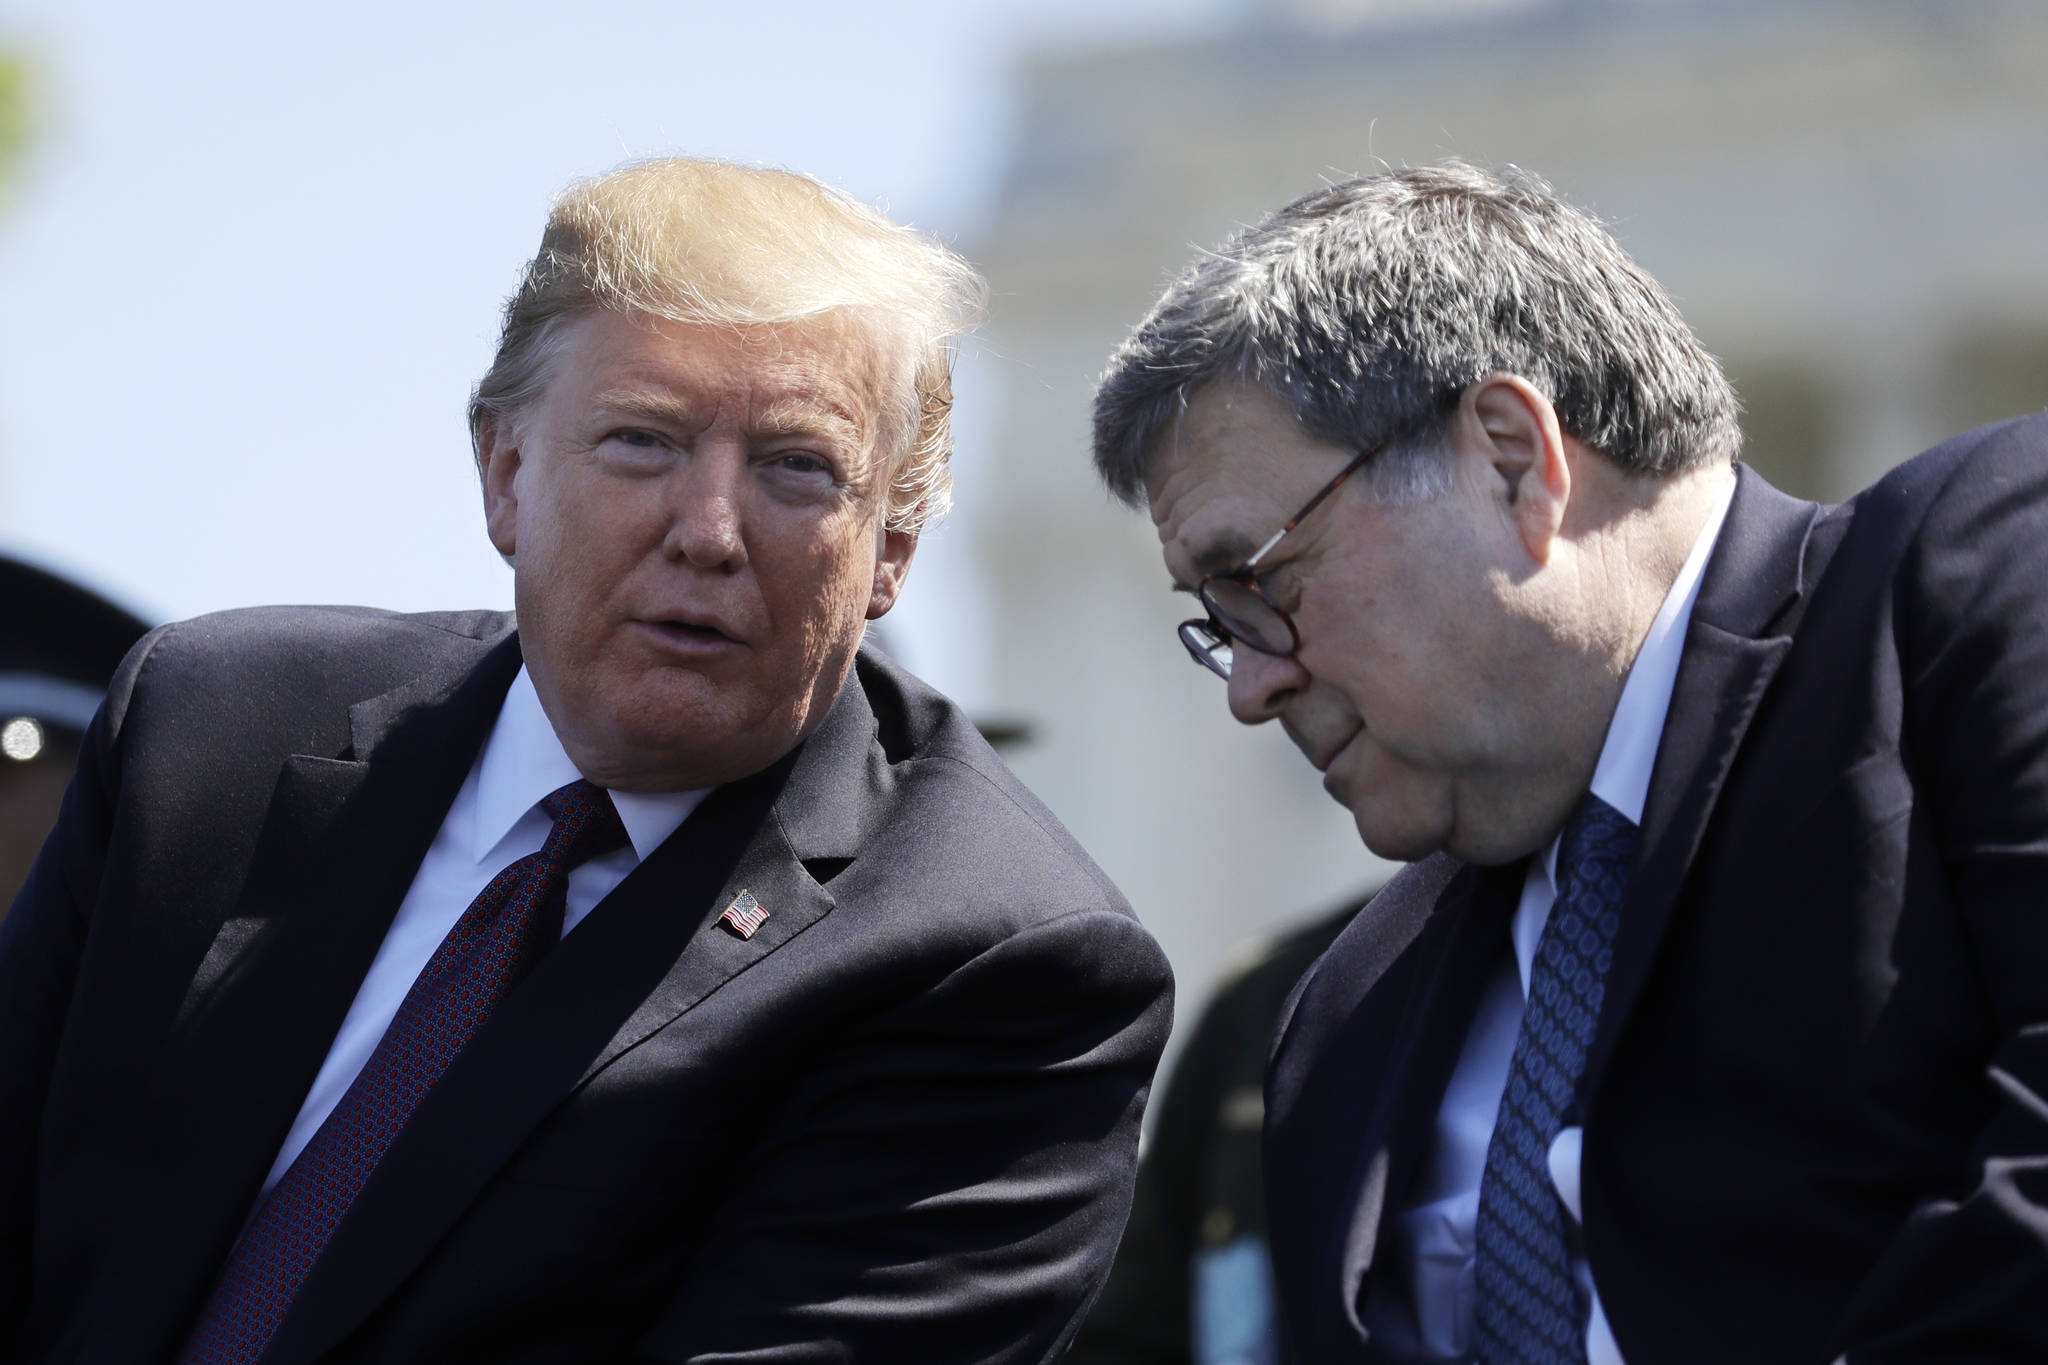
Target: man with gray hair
(656,976)
(1710,1022)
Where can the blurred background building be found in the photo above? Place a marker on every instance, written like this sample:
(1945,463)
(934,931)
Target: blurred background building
(253,257)
(1849,201)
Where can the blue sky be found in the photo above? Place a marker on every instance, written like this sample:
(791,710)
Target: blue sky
(255,256)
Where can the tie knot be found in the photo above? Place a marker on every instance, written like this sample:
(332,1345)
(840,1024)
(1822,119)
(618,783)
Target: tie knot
(586,823)
(1597,835)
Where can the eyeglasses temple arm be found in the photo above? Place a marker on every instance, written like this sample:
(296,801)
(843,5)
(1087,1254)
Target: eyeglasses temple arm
(1313,503)
(1271,541)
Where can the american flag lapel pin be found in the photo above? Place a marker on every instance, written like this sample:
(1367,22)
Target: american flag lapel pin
(745,915)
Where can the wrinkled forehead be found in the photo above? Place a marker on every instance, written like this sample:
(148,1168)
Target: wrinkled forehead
(1226,476)
(856,348)
(842,359)
(864,357)
(812,371)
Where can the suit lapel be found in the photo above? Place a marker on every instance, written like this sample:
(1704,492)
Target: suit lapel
(646,954)
(821,796)
(1750,599)
(1457,947)
(341,840)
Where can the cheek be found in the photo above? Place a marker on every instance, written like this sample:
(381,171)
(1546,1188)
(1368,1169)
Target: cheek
(576,554)
(549,511)
(1402,652)
(823,581)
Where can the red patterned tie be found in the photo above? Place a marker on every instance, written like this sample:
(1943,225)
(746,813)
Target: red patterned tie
(498,939)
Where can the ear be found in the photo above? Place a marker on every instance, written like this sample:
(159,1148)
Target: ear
(892,565)
(1515,429)
(497,465)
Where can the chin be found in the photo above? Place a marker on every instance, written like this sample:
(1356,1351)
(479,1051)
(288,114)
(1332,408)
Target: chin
(1401,849)
(1400,815)
(666,762)
(1399,841)
(1489,848)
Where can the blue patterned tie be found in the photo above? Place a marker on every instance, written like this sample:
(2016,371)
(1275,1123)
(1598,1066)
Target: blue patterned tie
(1528,1308)
(504,932)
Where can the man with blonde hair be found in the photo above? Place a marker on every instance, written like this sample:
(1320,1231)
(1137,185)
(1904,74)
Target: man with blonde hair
(655,975)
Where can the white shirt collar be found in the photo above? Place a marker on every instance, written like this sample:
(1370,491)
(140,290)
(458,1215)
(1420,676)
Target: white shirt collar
(523,761)
(1622,777)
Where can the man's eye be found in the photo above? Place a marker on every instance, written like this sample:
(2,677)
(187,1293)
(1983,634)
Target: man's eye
(636,452)
(802,462)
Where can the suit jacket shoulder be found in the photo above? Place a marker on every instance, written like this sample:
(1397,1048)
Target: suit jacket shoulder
(958,822)
(259,666)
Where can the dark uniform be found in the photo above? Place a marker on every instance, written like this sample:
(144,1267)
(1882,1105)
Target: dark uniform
(1192,1284)
(59,644)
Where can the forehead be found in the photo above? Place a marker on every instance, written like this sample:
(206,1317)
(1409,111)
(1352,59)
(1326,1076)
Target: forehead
(1231,472)
(813,372)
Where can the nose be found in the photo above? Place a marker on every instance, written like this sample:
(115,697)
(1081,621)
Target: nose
(1261,685)
(706,526)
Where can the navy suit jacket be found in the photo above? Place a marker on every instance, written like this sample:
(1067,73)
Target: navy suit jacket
(898,1123)
(1816,1107)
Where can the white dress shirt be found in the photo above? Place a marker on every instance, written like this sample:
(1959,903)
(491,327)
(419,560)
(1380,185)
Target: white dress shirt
(494,820)
(1431,1242)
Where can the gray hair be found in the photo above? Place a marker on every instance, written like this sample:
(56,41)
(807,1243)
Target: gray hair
(1369,307)
(701,241)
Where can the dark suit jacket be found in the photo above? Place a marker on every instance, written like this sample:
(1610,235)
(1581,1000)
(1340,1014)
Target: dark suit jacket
(898,1124)
(1816,1107)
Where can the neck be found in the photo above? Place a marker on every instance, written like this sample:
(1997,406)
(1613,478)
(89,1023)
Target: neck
(1636,547)
(1631,538)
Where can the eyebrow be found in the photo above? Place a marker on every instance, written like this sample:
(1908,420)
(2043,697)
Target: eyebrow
(793,417)
(799,418)
(1227,551)
(653,406)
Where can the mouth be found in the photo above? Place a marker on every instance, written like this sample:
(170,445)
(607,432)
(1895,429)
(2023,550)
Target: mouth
(690,632)
(1326,764)
(1322,761)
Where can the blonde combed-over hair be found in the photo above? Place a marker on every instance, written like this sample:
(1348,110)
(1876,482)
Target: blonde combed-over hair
(702,241)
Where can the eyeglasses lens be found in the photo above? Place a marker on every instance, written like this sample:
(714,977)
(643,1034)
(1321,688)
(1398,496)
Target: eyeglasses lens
(1210,650)
(1247,616)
